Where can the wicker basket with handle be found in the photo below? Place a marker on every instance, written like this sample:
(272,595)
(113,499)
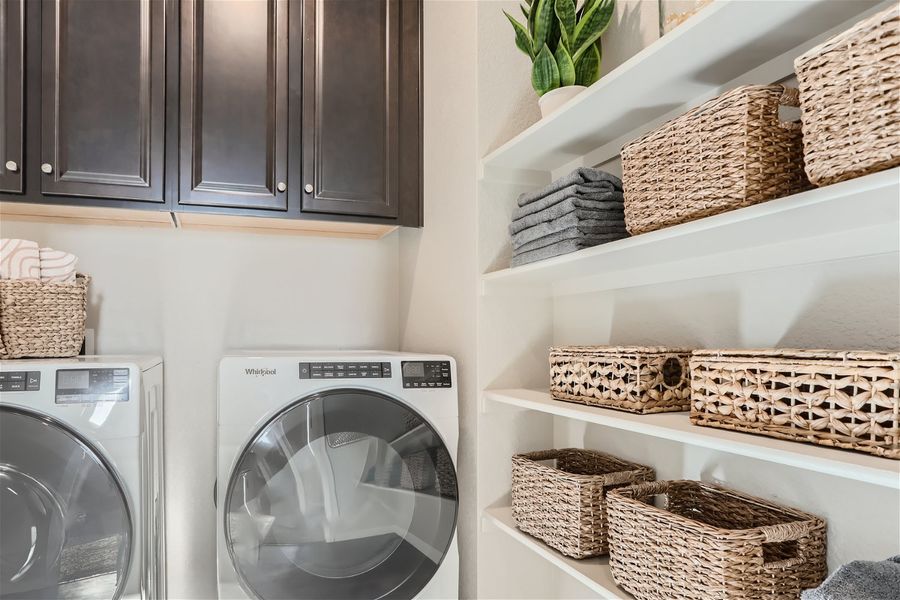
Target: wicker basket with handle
(733,151)
(850,100)
(639,379)
(841,399)
(707,542)
(43,320)
(565,504)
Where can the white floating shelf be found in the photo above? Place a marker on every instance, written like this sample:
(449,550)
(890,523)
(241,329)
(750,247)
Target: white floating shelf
(677,427)
(852,219)
(592,572)
(721,42)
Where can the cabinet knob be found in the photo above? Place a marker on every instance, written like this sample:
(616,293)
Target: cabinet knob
(47,168)
(282,186)
(12,166)
(308,188)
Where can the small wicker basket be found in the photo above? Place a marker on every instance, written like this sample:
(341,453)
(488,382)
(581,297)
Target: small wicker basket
(565,505)
(733,151)
(42,320)
(711,543)
(842,399)
(639,379)
(850,100)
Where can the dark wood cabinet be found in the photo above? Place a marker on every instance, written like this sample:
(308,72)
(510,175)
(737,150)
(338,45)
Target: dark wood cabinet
(234,94)
(12,86)
(103,92)
(360,71)
(220,107)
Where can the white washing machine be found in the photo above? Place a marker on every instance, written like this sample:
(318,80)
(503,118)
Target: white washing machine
(81,478)
(337,476)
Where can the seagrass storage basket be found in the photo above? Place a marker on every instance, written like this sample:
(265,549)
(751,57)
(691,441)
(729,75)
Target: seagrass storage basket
(43,320)
(687,540)
(565,504)
(842,399)
(850,100)
(733,151)
(638,379)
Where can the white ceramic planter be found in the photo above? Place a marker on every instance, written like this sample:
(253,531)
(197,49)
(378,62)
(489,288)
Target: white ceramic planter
(553,99)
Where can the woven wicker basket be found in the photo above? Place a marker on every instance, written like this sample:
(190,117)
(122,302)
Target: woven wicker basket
(711,543)
(565,505)
(733,151)
(843,399)
(639,379)
(42,319)
(850,100)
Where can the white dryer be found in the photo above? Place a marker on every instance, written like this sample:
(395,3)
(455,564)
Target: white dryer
(81,478)
(337,476)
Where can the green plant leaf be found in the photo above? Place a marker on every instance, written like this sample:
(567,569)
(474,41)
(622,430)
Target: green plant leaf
(565,14)
(525,11)
(544,72)
(523,40)
(543,23)
(592,25)
(565,65)
(587,68)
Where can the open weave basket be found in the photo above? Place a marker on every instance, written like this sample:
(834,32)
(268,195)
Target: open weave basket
(640,379)
(733,151)
(842,399)
(43,320)
(565,505)
(850,100)
(711,543)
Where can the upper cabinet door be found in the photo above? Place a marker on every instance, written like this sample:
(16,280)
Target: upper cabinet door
(351,107)
(12,80)
(234,103)
(103,98)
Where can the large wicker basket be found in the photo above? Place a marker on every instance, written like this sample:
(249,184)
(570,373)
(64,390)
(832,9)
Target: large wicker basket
(710,543)
(850,100)
(842,399)
(639,379)
(565,504)
(733,151)
(42,319)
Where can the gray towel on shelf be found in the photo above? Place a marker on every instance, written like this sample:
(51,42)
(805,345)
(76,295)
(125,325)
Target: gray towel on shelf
(557,249)
(612,211)
(568,223)
(860,580)
(586,239)
(580,175)
(600,191)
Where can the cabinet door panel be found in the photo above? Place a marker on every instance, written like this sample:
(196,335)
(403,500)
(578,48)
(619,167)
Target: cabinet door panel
(103,107)
(12,79)
(234,103)
(351,106)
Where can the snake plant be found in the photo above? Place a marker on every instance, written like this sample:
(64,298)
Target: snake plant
(562,39)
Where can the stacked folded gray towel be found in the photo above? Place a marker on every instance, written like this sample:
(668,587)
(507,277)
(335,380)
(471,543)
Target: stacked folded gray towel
(583,209)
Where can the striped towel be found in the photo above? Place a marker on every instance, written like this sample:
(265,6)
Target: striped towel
(19,259)
(57,266)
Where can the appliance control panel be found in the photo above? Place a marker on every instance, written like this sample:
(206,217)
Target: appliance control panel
(20,381)
(426,374)
(84,386)
(345,370)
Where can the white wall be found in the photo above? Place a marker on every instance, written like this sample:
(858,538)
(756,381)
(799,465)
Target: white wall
(191,296)
(437,263)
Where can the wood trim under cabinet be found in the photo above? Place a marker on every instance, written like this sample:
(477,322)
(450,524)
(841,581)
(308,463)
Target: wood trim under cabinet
(268,225)
(84,215)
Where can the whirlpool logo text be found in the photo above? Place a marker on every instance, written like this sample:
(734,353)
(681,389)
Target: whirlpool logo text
(259,372)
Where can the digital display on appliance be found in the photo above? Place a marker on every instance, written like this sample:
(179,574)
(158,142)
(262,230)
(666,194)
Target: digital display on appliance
(413,369)
(73,380)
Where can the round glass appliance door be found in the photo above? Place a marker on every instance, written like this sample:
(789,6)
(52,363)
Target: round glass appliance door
(64,518)
(344,494)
